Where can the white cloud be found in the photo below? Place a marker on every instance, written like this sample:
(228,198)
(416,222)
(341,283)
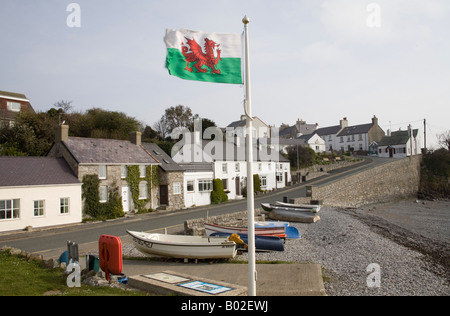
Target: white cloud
(324,53)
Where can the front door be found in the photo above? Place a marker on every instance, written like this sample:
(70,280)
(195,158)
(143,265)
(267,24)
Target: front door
(126,199)
(164,195)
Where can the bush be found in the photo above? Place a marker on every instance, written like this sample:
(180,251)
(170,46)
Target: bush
(218,194)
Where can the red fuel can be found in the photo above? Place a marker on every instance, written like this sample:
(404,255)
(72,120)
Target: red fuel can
(110,253)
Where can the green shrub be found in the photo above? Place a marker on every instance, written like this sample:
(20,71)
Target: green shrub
(218,194)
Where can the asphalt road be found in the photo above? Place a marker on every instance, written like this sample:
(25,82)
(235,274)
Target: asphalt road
(44,240)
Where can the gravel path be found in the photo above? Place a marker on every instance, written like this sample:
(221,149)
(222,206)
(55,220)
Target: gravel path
(346,242)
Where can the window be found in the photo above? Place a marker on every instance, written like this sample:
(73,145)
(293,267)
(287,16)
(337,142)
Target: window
(224,168)
(103,194)
(9,209)
(263,182)
(279,177)
(143,191)
(102,172)
(142,171)
(14,106)
(342,139)
(176,188)
(225,184)
(64,206)
(204,185)
(38,208)
(123,171)
(360,137)
(190,186)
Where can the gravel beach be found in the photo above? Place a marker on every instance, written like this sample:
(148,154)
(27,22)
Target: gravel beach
(407,242)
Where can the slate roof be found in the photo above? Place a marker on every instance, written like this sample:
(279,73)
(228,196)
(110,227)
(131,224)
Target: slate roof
(167,163)
(28,171)
(107,151)
(331,130)
(397,138)
(357,129)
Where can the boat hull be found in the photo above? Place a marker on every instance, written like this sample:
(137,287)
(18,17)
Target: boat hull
(293,216)
(266,231)
(271,207)
(291,232)
(184,247)
(262,243)
(316,208)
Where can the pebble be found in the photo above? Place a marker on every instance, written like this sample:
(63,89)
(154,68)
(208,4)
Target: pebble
(346,248)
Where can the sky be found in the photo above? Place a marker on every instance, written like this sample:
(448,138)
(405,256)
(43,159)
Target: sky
(315,60)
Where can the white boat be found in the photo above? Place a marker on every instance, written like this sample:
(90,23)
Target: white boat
(184,247)
(293,216)
(316,208)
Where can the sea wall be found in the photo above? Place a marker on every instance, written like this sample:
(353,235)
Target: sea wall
(388,182)
(196,227)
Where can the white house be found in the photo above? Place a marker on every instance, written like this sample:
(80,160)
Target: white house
(227,161)
(38,192)
(399,144)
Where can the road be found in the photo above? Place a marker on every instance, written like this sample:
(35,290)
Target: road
(45,240)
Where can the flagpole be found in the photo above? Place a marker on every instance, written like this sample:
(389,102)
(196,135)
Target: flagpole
(250,190)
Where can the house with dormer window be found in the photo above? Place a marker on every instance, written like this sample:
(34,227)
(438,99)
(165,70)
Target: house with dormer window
(11,104)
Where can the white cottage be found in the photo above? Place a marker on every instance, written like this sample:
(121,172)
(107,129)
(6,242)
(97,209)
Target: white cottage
(38,192)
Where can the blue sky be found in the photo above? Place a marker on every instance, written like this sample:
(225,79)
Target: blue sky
(318,60)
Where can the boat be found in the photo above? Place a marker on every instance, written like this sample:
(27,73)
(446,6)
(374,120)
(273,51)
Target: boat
(291,231)
(270,207)
(305,206)
(261,231)
(184,247)
(262,243)
(294,216)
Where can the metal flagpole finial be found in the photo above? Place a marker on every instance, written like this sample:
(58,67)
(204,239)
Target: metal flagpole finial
(246,20)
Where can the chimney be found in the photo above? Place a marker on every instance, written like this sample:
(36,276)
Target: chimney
(374,120)
(343,123)
(135,138)
(61,133)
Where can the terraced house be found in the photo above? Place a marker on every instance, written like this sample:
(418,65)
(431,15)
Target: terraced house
(120,165)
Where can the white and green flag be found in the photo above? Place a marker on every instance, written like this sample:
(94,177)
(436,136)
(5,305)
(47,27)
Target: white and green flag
(211,57)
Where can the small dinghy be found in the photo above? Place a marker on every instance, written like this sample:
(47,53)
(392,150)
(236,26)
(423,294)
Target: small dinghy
(291,232)
(271,207)
(262,243)
(301,206)
(261,231)
(293,216)
(184,247)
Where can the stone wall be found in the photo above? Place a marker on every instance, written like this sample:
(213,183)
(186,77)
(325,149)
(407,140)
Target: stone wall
(196,227)
(391,181)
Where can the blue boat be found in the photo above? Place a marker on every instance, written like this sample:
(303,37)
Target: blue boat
(262,243)
(291,231)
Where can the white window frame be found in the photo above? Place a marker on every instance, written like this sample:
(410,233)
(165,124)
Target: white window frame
(123,172)
(102,172)
(205,185)
(39,208)
(143,190)
(190,186)
(103,192)
(176,188)
(13,208)
(64,206)
(142,171)
(12,106)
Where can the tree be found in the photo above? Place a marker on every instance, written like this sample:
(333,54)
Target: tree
(444,140)
(305,155)
(179,116)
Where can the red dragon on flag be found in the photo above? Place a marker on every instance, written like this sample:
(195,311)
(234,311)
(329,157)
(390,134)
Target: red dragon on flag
(193,53)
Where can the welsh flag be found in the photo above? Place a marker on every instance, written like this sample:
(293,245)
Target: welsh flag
(211,57)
